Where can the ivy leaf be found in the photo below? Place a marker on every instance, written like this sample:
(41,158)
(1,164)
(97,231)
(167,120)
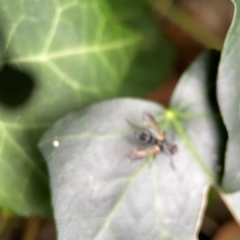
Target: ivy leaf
(75,52)
(99,193)
(229,100)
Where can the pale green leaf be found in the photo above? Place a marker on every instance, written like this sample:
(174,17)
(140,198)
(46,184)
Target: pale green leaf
(100,194)
(229,100)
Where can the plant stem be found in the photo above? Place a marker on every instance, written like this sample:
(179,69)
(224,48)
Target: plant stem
(32,228)
(188,24)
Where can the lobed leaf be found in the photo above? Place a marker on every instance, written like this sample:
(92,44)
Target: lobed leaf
(75,52)
(99,193)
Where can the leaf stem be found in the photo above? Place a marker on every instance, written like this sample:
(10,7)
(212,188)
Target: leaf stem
(32,228)
(188,24)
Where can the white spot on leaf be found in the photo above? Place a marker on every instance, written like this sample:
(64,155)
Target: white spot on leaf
(55,143)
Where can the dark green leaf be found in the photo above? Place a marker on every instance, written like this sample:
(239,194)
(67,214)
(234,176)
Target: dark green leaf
(154,61)
(99,193)
(75,52)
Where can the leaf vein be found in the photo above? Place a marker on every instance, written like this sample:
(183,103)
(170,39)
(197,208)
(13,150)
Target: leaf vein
(26,157)
(123,195)
(12,31)
(52,32)
(122,43)
(63,76)
(156,193)
(190,146)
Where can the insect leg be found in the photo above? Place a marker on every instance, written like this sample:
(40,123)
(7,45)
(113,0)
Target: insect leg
(166,150)
(142,153)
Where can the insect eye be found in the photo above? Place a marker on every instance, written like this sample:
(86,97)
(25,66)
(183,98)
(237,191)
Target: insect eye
(173,149)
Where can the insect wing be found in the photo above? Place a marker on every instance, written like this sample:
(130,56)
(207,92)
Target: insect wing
(142,153)
(153,126)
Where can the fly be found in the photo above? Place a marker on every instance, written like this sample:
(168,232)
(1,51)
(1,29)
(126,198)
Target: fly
(156,138)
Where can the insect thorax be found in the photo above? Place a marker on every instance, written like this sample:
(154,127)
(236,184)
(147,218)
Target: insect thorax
(146,137)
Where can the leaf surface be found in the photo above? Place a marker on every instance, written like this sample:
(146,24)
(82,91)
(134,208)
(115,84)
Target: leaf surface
(229,100)
(99,193)
(75,53)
